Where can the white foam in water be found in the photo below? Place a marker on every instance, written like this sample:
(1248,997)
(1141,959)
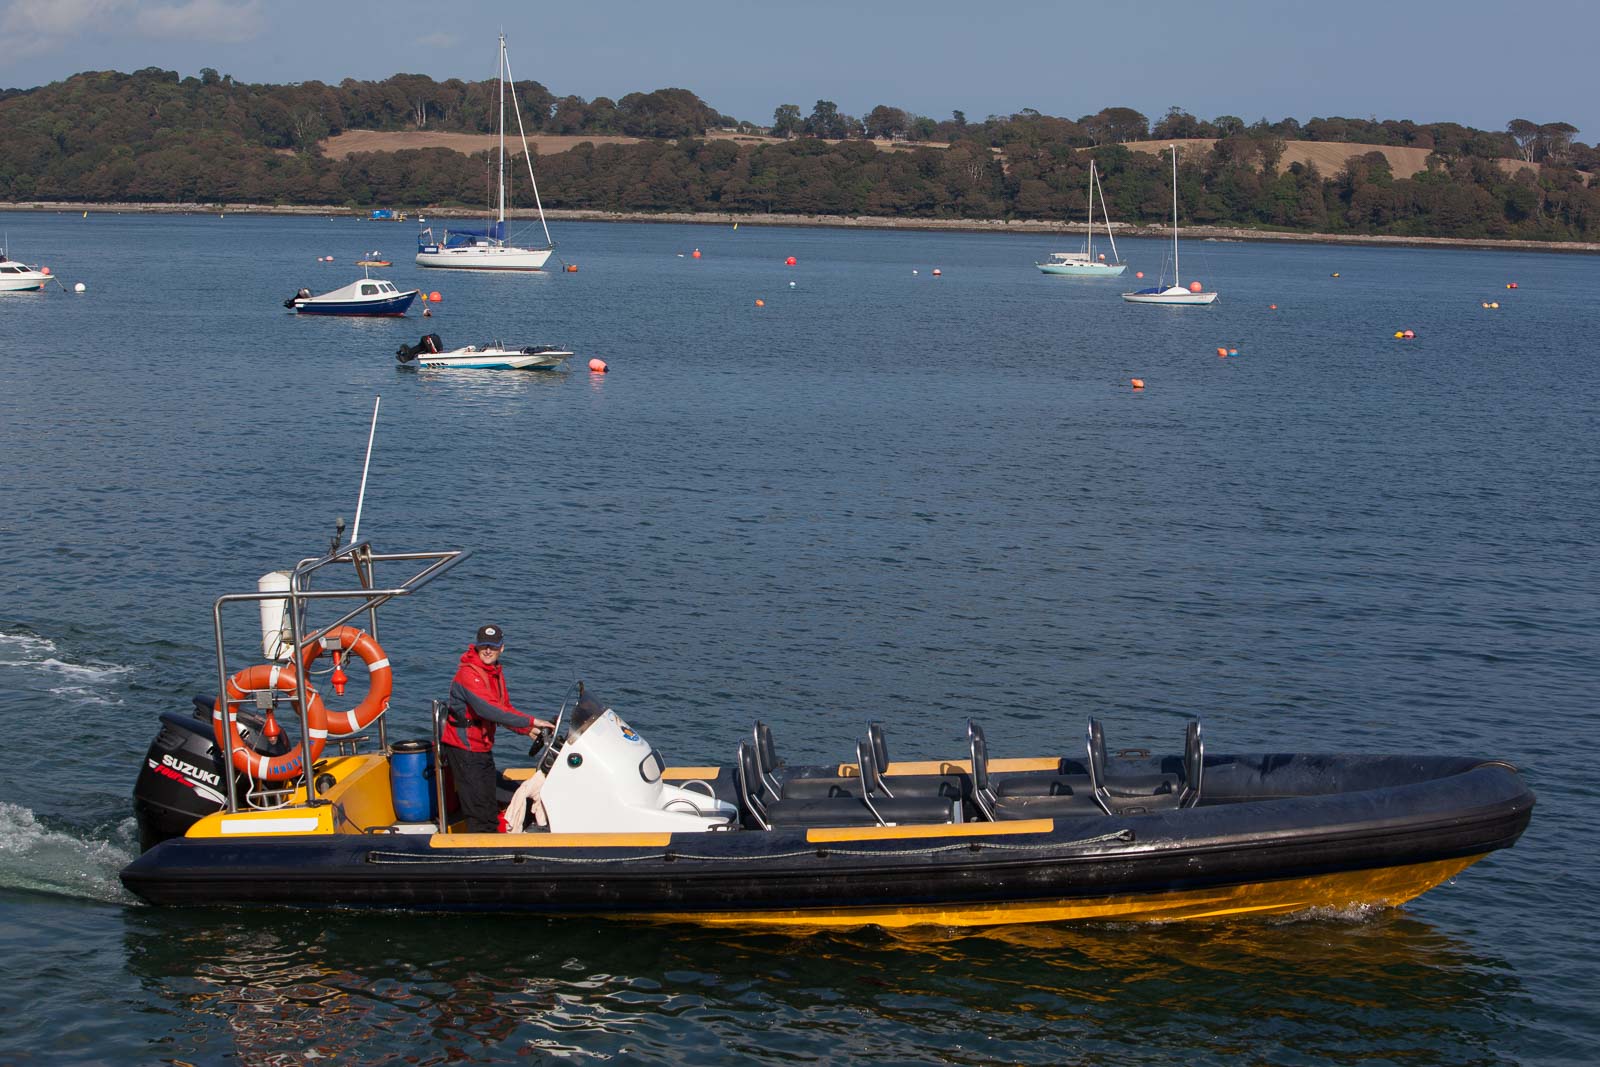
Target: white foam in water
(33,653)
(29,648)
(95,672)
(36,858)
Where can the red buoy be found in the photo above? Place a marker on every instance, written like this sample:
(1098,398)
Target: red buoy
(791,261)
(598,366)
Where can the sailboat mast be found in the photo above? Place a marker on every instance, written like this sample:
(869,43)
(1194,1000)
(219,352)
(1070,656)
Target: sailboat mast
(501,172)
(1088,247)
(1177,278)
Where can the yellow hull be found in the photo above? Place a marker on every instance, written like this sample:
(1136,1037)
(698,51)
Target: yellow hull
(1385,887)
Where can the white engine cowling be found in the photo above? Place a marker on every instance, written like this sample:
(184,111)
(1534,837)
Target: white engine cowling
(607,779)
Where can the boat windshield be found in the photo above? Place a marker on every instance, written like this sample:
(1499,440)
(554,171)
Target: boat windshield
(588,711)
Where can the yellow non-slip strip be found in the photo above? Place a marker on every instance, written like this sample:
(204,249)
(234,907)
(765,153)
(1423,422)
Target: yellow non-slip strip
(680,774)
(894,833)
(1385,887)
(526,841)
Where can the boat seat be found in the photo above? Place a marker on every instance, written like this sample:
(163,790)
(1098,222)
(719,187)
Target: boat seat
(1194,765)
(1128,794)
(991,807)
(1070,778)
(900,809)
(760,811)
(780,785)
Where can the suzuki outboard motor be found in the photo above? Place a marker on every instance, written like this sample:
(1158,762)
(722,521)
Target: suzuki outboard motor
(429,344)
(181,779)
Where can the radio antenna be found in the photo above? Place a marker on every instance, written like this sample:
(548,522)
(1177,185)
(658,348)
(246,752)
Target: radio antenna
(355,531)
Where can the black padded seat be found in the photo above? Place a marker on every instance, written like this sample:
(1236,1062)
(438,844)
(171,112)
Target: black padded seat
(1130,794)
(993,807)
(760,810)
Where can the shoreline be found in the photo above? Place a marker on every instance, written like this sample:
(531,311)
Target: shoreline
(855,222)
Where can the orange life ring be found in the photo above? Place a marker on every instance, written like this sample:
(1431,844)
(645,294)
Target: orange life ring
(225,725)
(380,683)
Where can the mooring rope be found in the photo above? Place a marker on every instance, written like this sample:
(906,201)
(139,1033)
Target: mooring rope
(819,852)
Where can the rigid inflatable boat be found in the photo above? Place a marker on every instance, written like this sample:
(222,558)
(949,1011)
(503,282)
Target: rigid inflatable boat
(230,812)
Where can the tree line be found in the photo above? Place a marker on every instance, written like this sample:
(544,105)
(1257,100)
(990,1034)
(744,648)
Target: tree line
(153,136)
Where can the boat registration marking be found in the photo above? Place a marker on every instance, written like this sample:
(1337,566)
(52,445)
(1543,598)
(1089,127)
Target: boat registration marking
(300,825)
(892,833)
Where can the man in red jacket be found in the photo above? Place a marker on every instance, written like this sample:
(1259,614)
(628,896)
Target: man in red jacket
(478,702)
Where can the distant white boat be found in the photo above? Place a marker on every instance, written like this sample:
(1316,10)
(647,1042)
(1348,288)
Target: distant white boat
(1084,264)
(485,248)
(492,355)
(19,277)
(1177,293)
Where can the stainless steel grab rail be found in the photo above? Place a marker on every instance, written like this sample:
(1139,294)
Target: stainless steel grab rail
(299,596)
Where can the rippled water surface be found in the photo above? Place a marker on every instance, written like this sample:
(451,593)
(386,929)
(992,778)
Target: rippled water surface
(884,494)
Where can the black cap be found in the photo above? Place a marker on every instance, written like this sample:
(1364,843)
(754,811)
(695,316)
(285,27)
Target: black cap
(490,637)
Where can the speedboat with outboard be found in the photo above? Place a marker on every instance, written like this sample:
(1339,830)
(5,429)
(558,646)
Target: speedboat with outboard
(365,296)
(491,355)
(232,810)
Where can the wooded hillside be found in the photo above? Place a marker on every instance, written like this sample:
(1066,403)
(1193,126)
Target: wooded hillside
(153,136)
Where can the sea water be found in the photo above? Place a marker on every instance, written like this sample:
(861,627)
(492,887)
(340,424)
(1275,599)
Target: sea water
(882,494)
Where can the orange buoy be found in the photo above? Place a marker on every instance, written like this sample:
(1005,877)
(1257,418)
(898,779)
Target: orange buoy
(760,303)
(1138,383)
(1222,352)
(1195,287)
(696,253)
(572,268)
(791,261)
(598,366)
(1138,274)
(46,270)
(1272,307)
(1233,351)
(435,297)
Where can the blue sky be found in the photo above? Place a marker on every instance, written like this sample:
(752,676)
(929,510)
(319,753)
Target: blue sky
(1473,62)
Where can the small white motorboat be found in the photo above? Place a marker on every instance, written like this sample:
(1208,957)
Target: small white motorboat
(367,296)
(19,277)
(492,355)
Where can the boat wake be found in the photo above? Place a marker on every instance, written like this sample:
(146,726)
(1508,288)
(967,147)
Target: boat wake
(84,682)
(37,859)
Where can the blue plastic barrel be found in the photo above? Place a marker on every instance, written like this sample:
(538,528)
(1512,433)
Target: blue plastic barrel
(411,781)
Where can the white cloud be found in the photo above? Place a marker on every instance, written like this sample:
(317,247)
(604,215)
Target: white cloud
(34,27)
(439,40)
(202,20)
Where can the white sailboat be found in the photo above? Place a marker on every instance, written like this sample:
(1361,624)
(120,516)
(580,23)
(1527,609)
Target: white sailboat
(1177,293)
(1084,264)
(486,248)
